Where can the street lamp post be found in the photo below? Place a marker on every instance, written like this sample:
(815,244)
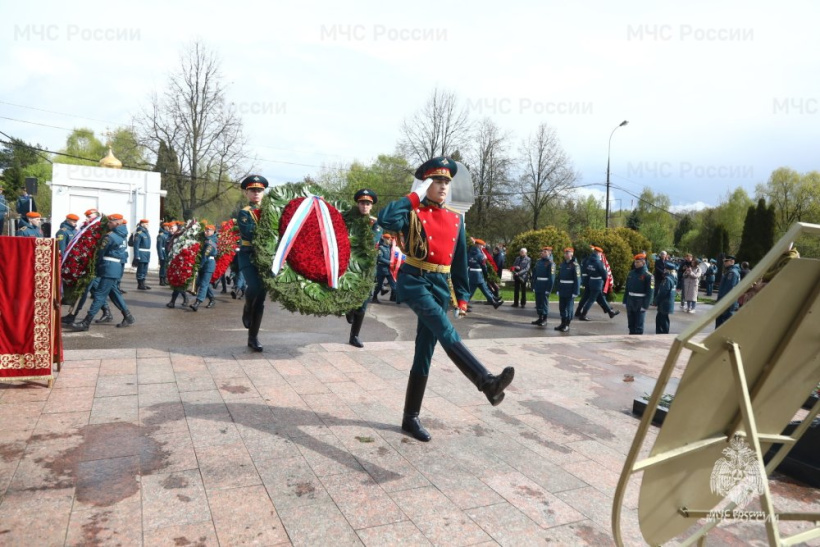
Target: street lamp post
(609,148)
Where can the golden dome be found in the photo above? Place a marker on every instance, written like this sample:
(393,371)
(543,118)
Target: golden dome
(110,161)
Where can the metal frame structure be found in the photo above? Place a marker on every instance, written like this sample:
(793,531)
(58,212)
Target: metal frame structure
(753,387)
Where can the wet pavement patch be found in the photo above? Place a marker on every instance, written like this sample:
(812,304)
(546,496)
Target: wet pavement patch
(236,390)
(106,465)
(566,419)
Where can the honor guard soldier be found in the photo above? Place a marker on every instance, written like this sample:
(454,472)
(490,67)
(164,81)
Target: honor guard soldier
(109,270)
(665,297)
(365,200)
(383,266)
(207,266)
(254,188)
(162,255)
(433,276)
(543,278)
(67,231)
(596,274)
(476,269)
(142,249)
(637,294)
(730,278)
(569,285)
(31,226)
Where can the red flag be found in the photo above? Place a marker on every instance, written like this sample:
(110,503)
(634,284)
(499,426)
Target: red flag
(610,281)
(396,260)
(490,259)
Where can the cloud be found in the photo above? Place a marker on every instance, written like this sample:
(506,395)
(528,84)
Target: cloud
(688,207)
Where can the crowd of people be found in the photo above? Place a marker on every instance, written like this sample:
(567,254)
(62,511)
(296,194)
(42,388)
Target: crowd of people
(439,270)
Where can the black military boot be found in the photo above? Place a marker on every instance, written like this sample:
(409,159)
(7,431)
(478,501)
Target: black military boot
(583,317)
(253,332)
(162,282)
(392,296)
(184,299)
(565,328)
(127,320)
(68,319)
(106,316)
(195,305)
(539,321)
(497,302)
(141,286)
(375,298)
(211,303)
(173,301)
(233,293)
(492,386)
(613,313)
(561,326)
(247,314)
(83,325)
(416,384)
(358,319)
(578,311)
(349,317)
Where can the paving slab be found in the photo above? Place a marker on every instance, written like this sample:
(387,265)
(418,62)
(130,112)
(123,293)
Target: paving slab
(303,446)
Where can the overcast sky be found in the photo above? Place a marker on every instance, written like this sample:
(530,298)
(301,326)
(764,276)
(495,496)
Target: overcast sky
(717,94)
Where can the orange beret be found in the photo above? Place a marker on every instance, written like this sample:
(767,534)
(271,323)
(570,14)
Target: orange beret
(547,248)
(569,250)
(594,248)
(115,216)
(640,256)
(210,227)
(144,221)
(479,241)
(91,212)
(72,216)
(33,214)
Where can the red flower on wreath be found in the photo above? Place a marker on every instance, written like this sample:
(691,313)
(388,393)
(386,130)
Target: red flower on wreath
(307,256)
(226,243)
(75,266)
(182,266)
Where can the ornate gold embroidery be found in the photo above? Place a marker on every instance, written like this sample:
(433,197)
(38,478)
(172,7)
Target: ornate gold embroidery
(43,287)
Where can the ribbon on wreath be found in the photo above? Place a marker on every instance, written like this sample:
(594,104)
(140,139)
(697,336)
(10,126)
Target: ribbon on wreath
(327,235)
(76,238)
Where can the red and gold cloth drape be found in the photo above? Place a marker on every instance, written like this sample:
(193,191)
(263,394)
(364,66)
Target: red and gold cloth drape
(30,335)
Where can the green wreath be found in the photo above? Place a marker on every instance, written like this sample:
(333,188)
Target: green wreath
(294,291)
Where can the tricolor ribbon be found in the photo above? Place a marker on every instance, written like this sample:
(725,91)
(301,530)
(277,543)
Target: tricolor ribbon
(76,238)
(326,232)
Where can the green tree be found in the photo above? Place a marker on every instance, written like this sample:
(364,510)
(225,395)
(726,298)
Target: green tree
(794,197)
(683,228)
(749,248)
(637,242)
(615,248)
(633,221)
(533,240)
(15,156)
(731,213)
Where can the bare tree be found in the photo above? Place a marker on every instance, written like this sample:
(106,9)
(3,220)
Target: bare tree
(548,172)
(438,129)
(489,164)
(192,120)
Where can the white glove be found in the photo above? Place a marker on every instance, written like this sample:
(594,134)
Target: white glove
(421,191)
